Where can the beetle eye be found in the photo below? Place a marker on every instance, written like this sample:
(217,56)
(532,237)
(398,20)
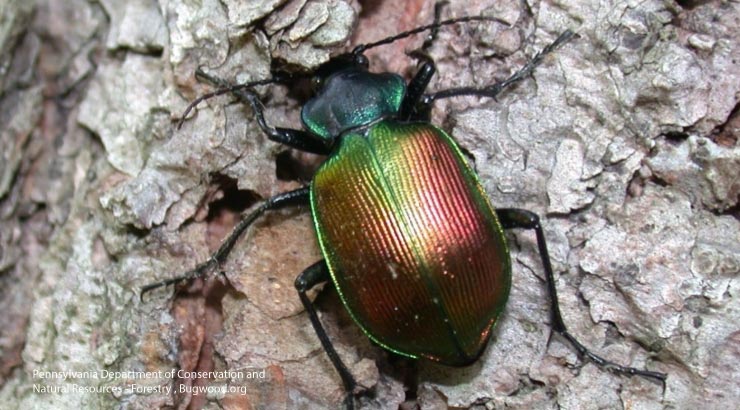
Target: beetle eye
(361,60)
(317,83)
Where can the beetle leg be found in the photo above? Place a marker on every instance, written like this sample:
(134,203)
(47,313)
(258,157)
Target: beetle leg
(298,139)
(438,6)
(312,276)
(520,218)
(296,197)
(411,109)
(414,105)
(493,90)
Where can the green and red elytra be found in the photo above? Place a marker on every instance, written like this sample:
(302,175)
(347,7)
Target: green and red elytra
(410,240)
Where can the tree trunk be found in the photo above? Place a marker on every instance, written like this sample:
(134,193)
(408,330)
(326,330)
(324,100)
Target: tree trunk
(624,141)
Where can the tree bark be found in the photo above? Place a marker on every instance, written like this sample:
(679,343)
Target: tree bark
(624,141)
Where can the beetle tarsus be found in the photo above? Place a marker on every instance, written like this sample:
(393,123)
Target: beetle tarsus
(438,6)
(297,139)
(493,90)
(310,277)
(521,218)
(198,272)
(295,197)
(616,368)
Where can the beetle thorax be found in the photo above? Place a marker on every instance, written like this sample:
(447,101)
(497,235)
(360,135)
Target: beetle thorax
(350,99)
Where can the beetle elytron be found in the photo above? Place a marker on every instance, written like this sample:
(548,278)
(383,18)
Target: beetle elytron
(410,240)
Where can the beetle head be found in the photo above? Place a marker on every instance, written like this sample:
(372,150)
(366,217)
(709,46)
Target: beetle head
(342,62)
(348,97)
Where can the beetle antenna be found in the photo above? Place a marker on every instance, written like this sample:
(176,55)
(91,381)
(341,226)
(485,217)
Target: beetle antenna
(221,91)
(363,47)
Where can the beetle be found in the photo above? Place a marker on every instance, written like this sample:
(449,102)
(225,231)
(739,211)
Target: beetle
(410,240)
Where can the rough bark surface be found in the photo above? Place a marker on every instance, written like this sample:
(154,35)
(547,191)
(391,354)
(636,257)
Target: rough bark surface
(625,141)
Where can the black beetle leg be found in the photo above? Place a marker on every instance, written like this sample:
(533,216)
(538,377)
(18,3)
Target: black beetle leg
(312,276)
(298,139)
(521,218)
(297,197)
(438,6)
(413,107)
(493,90)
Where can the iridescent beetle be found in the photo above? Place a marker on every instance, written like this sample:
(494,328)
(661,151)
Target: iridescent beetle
(410,240)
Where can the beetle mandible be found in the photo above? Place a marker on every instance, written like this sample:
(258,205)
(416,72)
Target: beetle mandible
(410,240)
